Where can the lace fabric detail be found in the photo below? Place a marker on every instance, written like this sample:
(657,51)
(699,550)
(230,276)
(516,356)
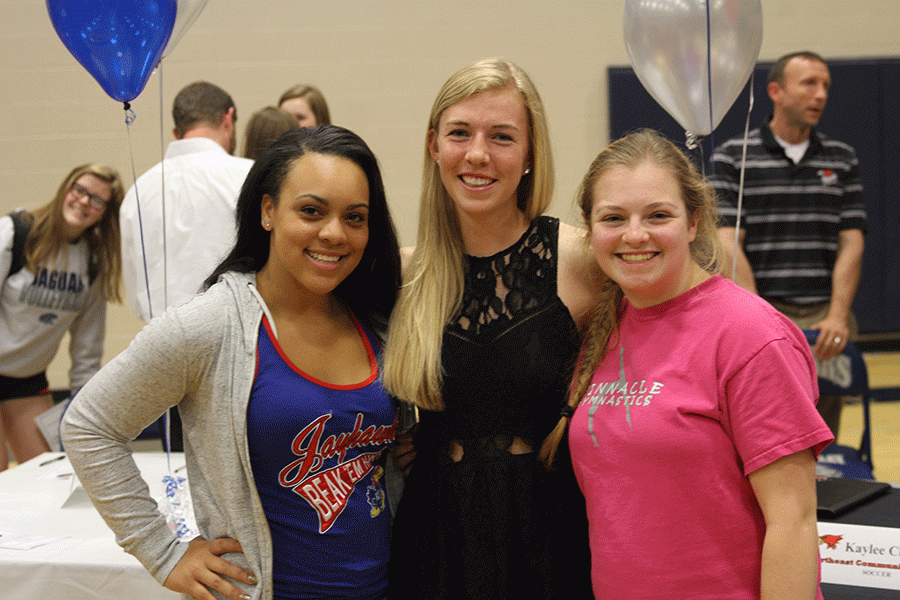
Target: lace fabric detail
(502,289)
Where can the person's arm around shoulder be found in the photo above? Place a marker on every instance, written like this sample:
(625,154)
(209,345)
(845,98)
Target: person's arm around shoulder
(786,493)
(742,273)
(833,330)
(578,278)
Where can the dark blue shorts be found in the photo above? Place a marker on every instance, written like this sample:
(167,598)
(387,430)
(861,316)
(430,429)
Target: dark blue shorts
(14,387)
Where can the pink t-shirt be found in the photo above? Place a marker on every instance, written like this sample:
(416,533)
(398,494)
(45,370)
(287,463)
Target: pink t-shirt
(693,395)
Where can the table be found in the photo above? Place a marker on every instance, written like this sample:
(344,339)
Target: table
(87,564)
(84,562)
(883,511)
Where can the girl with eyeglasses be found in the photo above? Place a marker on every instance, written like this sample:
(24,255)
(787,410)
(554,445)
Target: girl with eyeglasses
(59,265)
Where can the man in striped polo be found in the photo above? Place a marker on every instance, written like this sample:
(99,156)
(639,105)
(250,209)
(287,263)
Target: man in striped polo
(800,241)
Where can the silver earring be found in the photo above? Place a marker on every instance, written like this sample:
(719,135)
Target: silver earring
(527,171)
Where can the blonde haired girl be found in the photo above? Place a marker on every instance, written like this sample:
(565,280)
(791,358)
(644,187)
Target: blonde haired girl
(483,341)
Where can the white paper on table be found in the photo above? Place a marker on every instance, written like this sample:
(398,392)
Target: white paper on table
(24,541)
(860,555)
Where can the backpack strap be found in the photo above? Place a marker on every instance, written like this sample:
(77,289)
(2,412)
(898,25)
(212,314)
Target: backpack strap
(21,229)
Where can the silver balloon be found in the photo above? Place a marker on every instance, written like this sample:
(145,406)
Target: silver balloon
(185,15)
(669,51)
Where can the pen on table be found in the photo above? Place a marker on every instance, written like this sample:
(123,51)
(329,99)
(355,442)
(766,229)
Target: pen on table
(52,460)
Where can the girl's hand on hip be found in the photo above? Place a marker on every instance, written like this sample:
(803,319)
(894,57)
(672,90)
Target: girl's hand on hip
(202,569)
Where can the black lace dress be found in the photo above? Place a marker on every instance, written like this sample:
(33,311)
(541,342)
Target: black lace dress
(496,524)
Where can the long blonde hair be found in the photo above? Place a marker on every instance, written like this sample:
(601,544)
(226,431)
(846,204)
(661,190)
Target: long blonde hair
(434,279)
(46,238)
(700,201)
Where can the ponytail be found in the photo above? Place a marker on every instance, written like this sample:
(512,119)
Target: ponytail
(596,344)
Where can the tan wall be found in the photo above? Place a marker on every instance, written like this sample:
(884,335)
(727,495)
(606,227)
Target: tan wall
(379,64)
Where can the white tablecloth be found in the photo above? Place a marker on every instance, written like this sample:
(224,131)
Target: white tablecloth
(84,562)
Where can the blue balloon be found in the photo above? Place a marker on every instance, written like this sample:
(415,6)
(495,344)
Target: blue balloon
(119,42)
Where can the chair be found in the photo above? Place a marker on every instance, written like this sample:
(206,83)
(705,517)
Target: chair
(845,374)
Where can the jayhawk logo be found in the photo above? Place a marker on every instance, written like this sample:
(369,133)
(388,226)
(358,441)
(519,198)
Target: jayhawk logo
(375,493)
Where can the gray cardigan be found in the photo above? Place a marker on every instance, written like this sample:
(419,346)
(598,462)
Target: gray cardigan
(201,356)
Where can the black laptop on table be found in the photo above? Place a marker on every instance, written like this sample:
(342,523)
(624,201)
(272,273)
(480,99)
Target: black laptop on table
(837,495)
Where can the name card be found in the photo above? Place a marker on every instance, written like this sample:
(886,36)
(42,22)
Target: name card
(860,555)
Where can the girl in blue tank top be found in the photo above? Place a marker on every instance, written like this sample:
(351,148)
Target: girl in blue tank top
(276,372)
(317,451)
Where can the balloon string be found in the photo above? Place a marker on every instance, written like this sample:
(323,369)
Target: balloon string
(709,92)
(709,67)
(702,161)
(167,418)
(162,166)
(137,197)
(129,119)
(740,200)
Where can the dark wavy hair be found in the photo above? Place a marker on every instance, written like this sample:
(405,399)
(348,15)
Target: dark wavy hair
(370,291)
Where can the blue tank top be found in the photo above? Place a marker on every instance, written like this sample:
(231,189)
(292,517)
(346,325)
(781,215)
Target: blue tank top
(318,452)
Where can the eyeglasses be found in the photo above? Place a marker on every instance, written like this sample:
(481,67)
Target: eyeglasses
(96,202)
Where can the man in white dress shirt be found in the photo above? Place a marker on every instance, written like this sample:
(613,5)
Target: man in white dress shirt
(195,188)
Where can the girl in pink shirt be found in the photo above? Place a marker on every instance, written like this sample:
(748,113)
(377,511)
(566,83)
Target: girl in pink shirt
(693,429)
